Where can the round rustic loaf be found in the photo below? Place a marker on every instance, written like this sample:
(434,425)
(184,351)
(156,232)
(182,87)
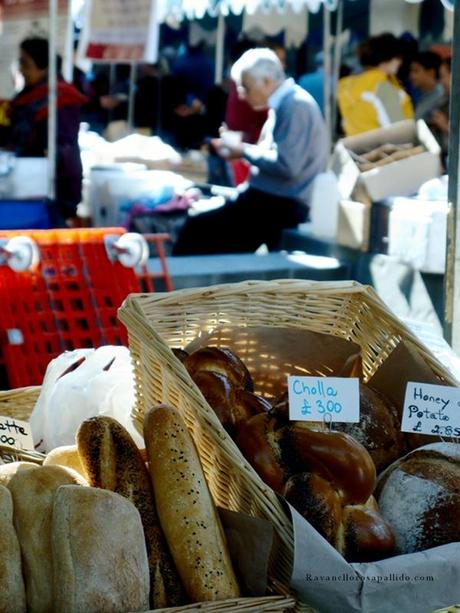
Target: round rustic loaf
(419,495)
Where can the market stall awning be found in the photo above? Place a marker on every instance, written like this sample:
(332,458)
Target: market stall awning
(196,9)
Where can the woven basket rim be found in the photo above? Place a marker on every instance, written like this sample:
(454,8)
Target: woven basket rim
(19,391)
(163,299)
(254,604)
(255,285)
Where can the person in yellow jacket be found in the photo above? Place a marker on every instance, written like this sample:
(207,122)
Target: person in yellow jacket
(374,98)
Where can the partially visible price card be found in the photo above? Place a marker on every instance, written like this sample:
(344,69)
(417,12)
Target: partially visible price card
(323,399)
(431,409)
(15,433)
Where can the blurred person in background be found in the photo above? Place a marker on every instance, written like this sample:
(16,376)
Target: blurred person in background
(409,49)
(97,87)
(374,98)
(424,76)
(147,99)
(290,153)
(439,118)
(281,54)
(196,71)
(116,101)
(313,82)
(28,131)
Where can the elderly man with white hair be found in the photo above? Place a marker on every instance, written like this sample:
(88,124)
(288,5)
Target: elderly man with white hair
(291,152)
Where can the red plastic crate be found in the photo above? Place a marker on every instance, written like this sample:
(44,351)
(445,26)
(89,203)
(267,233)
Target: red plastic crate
(69,301)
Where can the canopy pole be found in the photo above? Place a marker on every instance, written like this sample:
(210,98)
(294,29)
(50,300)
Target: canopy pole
(52,99)
(131,96)
(327,73)
(452,275)
(220,49)
(337,63)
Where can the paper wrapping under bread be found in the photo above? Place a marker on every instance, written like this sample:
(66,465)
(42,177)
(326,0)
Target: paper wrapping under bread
(250,541)
(323,578)
(271,354)
(402,365)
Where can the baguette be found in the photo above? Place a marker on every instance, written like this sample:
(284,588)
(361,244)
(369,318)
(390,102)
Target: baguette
(12,590)
(32,491)
(100,559)
(112,461)
(186,510)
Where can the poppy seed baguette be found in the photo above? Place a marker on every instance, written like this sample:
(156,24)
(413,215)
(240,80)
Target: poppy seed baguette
(186,510)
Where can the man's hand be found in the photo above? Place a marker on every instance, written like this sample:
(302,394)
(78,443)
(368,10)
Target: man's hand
(225,151)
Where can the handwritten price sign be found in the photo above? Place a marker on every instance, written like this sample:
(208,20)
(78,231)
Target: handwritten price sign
(431,409)
(323,399)
(15,433)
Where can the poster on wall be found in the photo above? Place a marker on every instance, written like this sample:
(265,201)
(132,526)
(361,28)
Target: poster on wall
(21,19)
(120,31)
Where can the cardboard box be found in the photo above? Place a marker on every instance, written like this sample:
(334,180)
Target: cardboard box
(354,223)
(400,178)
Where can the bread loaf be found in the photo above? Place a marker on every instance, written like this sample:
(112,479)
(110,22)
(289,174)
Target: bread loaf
(186,510)
(233,405)
(256,440)
(66,455)
(368,537)
(420,496)
(220,360)
(112,461)
(7,471)
(379,428)
(278,452)
(12,589)
(327,476)
(99,554)
(32,491)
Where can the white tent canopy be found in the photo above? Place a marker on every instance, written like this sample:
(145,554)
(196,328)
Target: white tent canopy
(196,9)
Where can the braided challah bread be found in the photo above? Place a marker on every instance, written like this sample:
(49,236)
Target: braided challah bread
(327,476)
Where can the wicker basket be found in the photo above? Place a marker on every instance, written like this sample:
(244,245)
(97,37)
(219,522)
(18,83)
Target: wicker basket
(274,604)
(19,404)
(157,322)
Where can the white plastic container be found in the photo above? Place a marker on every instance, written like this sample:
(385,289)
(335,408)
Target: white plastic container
(417,233)
(324,205)
(29,178)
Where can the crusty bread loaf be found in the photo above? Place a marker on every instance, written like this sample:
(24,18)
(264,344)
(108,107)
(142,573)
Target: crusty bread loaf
(12,589)
(100,559)
(112,461)
(32,491)
(185,508)
(419,496)
(66,455)
(7,471)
